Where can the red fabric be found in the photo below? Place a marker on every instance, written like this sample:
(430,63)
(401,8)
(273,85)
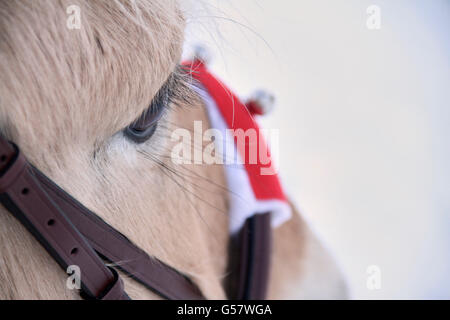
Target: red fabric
(236,115)
(254,108)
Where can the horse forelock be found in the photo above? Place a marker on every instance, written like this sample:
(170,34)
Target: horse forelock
(62,86)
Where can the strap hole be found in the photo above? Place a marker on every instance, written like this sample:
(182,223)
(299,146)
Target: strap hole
(74,251)
(25,191)
(50,222)
(3,158)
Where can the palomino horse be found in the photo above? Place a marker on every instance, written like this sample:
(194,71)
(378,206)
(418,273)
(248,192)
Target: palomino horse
(66,95)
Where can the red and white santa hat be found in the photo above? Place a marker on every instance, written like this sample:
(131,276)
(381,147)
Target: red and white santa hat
(253,187)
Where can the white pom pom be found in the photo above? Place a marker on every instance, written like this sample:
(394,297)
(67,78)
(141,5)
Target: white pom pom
(261,102)
(202,54)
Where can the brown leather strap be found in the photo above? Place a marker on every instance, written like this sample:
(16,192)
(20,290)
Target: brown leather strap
(22,195)
(70,233)
(255,241)
(105,240)
(114,246)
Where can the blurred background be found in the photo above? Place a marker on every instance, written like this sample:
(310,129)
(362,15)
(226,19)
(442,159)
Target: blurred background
(363,109)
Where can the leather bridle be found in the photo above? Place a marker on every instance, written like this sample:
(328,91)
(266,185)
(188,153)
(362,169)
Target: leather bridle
(74,235)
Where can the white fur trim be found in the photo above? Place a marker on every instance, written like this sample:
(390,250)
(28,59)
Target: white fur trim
(243,203)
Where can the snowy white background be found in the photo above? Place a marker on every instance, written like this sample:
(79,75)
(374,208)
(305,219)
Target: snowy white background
(364,124)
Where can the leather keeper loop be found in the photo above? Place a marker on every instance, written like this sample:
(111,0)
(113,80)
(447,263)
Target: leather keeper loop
(116,290)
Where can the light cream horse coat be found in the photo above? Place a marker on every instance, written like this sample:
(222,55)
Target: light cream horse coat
(65,96)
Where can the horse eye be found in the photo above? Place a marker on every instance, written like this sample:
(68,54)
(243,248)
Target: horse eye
(145,126)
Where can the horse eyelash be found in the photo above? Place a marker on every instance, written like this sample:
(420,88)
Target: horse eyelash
(177,89)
